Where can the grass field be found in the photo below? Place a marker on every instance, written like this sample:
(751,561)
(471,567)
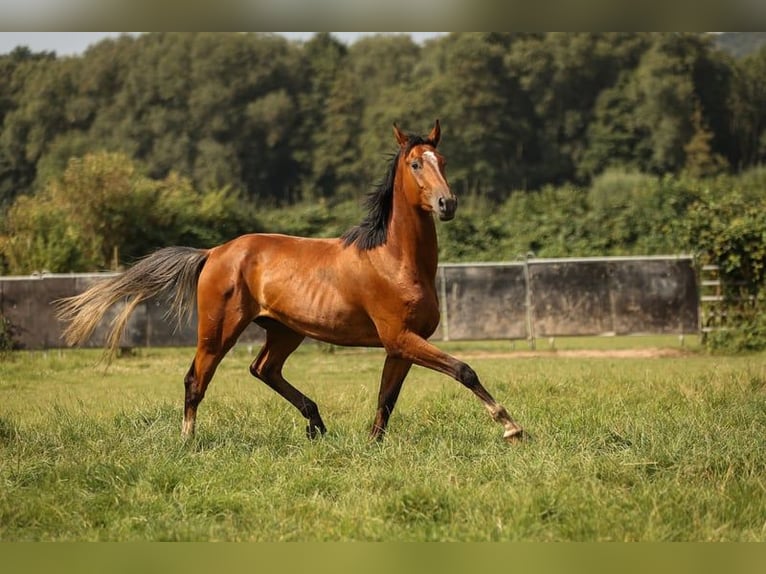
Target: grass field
(625,448)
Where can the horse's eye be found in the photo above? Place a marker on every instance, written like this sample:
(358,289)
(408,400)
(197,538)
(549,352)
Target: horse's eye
(415,165)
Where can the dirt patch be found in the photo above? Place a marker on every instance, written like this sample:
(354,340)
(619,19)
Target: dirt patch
(646,353)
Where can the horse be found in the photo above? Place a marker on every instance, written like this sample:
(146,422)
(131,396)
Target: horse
(375,286)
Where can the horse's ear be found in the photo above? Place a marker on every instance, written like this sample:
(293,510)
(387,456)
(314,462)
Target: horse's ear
(435,134)
(400,136)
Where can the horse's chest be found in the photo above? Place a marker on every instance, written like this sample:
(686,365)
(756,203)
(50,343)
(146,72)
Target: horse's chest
(421,308)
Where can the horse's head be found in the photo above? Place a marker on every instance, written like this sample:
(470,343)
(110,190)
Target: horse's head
(423,173)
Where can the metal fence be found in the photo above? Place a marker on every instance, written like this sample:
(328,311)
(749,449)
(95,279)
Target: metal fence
(518,300)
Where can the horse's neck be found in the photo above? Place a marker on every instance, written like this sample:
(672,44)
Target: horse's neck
(412,237)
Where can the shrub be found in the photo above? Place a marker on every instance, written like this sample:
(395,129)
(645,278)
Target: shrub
(728,229)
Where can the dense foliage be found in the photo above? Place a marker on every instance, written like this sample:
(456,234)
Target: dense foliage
(283,121)
(558,144)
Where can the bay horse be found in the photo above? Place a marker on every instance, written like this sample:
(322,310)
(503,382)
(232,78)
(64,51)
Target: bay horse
(373,287)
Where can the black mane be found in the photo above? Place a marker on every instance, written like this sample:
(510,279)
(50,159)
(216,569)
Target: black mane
(372,232)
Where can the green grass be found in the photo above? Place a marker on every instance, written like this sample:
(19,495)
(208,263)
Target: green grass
(624,449)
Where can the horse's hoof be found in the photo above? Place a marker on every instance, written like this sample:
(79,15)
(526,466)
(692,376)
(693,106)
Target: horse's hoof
(516,436)
(377,437)
(313,431)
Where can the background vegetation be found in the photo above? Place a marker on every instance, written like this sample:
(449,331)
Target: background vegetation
(558,144)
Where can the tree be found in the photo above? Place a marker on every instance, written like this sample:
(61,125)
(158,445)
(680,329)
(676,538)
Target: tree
(564,76)
(668,90)
(464,80)
(701,161)
(323,59)
(103,212)
(35,96)
(386,71)
(613,135)
(336,166)
(648,119)
(747,107)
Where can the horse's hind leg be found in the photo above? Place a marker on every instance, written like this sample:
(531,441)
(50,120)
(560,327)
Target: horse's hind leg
(215,337)
(196,381)
(280,343)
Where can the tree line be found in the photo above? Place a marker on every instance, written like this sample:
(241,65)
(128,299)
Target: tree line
(282,121)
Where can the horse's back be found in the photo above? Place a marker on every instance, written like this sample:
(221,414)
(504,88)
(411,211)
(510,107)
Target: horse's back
(312,285)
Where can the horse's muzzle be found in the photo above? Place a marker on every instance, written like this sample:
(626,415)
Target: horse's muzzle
(446,208)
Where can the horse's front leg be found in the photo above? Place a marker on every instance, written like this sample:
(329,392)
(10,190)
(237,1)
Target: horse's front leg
(394,373)
(411,347)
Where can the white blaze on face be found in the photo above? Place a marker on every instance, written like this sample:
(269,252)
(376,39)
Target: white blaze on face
(430,159)
(438,185)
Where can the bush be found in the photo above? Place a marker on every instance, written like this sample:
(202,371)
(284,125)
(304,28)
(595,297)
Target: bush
(728,228)
(748,332)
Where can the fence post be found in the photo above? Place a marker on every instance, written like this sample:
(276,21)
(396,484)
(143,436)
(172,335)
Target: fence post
(528,301)
(443,303)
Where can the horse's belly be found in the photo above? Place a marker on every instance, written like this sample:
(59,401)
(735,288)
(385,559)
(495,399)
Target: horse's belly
(323,315)
(339,329)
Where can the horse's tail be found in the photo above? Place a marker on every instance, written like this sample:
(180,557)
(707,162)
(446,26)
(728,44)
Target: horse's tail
(170,273)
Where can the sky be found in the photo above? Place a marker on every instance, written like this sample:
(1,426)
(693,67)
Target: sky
(74,43)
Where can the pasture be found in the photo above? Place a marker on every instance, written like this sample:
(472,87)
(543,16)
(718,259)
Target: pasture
(627,446)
